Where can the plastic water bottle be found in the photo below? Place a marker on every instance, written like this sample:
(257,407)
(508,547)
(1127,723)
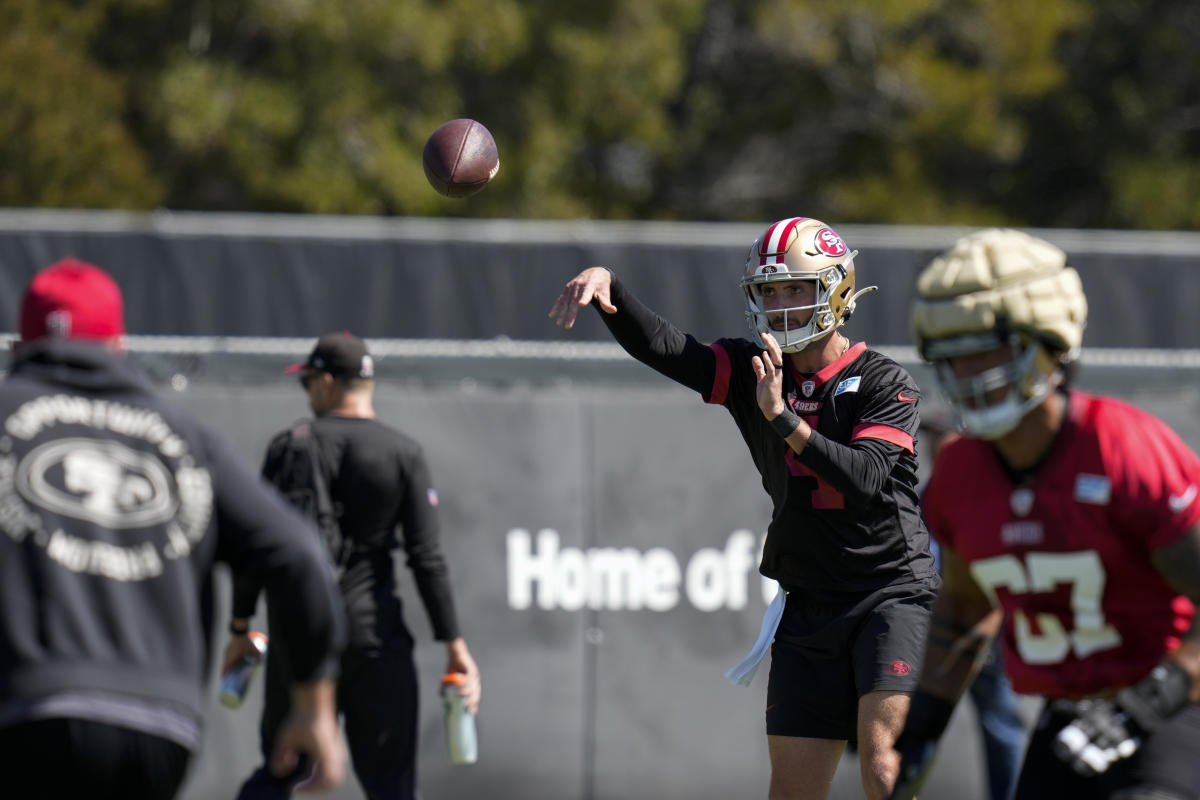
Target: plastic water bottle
(236,682)
(460,723)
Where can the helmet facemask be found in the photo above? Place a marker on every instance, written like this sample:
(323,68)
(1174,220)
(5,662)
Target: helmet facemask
(833,287)
(1026,379)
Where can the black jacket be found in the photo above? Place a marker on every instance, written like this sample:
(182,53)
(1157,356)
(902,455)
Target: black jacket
(381,489)
(114,508)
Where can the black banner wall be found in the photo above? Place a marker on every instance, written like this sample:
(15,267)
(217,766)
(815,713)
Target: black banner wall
(603,539)
(265,275)
(603,545)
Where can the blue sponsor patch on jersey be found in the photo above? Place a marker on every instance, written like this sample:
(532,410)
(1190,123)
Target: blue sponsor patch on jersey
(1093,489)
(848,385)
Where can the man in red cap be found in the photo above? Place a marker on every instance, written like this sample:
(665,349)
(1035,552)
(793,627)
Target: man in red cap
(114,507)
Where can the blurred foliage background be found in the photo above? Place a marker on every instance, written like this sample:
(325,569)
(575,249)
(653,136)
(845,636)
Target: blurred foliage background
(1055,113)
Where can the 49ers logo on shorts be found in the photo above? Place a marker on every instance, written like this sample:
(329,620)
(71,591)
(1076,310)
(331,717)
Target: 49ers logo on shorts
(830,243)
(899,668)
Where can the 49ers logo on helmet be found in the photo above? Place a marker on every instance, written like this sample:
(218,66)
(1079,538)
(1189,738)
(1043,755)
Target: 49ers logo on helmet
(830,243)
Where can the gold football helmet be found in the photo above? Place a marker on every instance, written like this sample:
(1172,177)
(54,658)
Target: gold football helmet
(793,249)
(991,289)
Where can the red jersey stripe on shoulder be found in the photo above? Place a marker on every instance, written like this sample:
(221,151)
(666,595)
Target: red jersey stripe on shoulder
(723,372)
(885,432)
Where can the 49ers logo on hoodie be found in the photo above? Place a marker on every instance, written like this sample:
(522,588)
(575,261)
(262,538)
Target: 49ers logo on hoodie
(104,482)
(104,488)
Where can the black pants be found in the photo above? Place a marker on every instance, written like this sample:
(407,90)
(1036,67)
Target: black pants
(78,758)
(377,697)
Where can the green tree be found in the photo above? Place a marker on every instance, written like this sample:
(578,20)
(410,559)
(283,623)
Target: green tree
(1118,146)
(64,134)
(867,110)
(1026,112)
(310,106)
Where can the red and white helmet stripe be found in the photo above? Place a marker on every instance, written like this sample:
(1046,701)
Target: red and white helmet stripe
(776,240)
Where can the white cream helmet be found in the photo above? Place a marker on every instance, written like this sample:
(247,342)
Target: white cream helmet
(993,288)
(799,248)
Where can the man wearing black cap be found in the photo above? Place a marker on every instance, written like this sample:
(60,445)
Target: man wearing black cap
(114,507)
(374,483)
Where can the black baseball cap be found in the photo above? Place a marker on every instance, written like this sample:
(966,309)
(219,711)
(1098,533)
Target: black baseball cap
(342,355)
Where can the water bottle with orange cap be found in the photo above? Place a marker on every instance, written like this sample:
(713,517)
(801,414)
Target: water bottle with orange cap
(461,740)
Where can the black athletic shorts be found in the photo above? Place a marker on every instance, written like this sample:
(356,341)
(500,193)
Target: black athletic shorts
(1166,766)
(825,657)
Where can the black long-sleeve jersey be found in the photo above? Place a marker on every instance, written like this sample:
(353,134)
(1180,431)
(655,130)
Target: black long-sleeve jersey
(383,496)
(114,507)
(845,511)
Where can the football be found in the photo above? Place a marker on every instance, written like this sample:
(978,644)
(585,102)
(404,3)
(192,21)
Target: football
(460,158)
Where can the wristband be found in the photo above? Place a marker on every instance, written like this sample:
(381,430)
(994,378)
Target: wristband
(239,630)
(786,423)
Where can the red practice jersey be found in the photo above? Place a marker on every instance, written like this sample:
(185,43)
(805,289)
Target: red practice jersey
(1066,550)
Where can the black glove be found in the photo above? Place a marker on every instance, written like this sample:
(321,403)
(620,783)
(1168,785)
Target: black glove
(1106,731)
(917,744)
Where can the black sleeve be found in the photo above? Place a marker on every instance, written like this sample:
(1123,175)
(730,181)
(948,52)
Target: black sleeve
(657,343)
(857,470)
(422,546)
(245,595)
(246,586)
(261,536)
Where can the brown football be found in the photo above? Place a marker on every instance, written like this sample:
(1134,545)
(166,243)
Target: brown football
(460,158)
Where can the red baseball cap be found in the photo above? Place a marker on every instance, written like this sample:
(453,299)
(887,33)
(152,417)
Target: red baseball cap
(72,299)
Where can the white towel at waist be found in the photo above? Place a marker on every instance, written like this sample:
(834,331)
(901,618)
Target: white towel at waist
(743,672)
